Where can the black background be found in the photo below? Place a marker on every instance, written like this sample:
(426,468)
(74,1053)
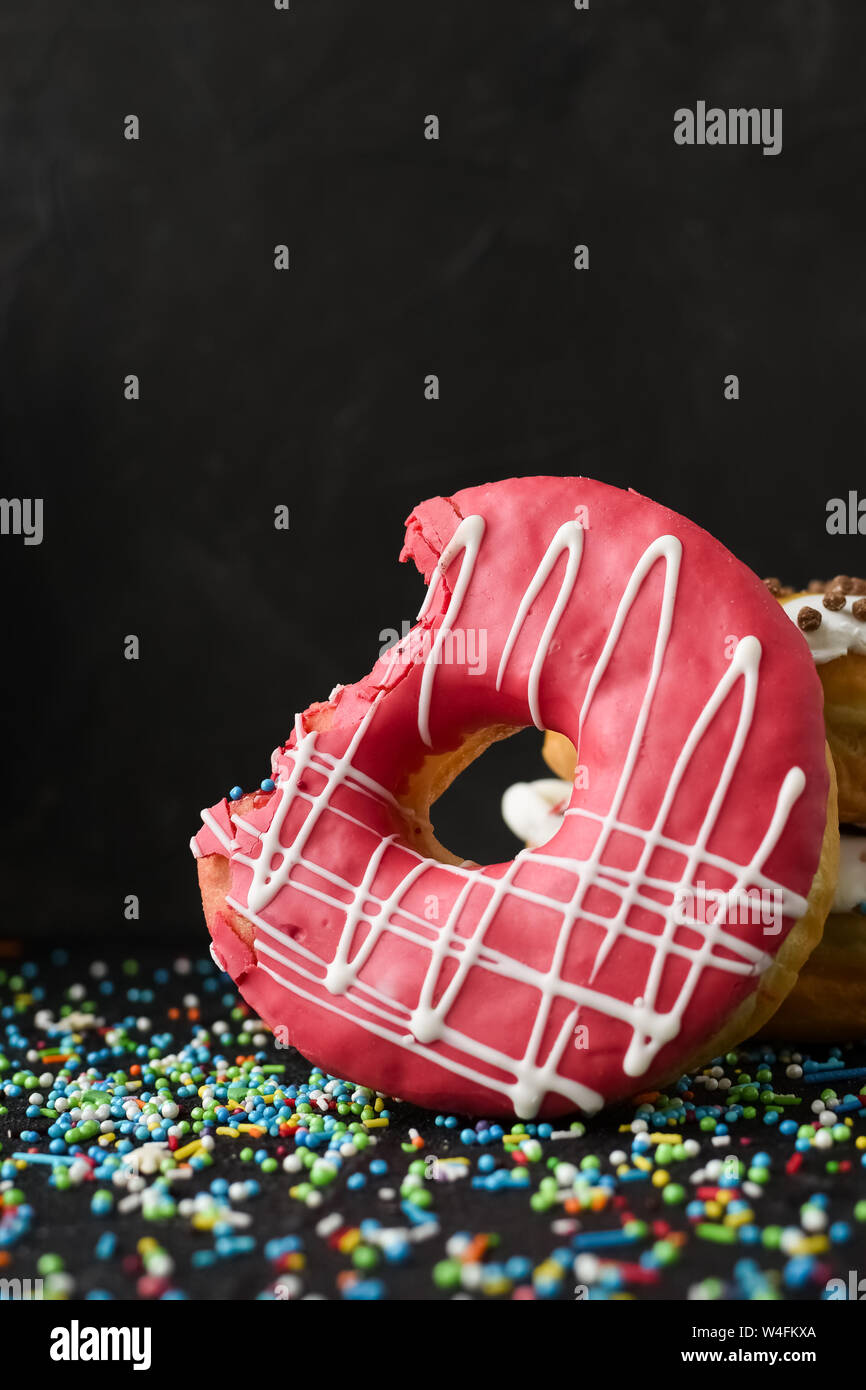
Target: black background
(305,388)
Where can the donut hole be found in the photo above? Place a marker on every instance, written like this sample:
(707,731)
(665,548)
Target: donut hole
(466,786)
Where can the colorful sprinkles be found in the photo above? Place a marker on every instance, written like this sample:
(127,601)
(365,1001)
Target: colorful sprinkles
(187,1147)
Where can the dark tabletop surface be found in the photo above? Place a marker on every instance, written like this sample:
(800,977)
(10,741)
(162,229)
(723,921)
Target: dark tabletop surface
(767,1219)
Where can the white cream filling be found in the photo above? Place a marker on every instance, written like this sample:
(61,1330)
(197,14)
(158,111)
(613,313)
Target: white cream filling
(851,886)
(533,810)
(839,632)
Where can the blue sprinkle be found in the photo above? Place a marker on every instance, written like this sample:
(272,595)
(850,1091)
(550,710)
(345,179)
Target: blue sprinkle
(365,1289)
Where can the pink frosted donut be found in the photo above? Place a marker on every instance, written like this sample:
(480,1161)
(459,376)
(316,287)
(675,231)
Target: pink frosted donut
(585,970)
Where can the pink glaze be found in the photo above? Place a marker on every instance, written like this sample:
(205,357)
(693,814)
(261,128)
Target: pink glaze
(563,979)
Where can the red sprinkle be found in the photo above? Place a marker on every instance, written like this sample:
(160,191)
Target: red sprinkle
(636,1274)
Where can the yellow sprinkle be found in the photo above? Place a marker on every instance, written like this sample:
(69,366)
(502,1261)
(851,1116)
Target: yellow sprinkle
(713,1210)
(664,1138)
(811,1245)
(738,1218)
(145,1244)
(187,1149)
(660,1177)
(252,1129)
(227,1129)
(860,1141)
(375,1124)
(640,1162)
(497,1285)
(380,1104)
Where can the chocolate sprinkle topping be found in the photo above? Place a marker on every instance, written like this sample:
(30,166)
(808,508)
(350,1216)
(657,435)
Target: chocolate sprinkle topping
(858,609)
(808,619)
(843,582)
(834,600)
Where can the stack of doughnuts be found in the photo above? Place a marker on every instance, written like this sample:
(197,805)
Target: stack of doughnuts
(828,1002)
(829,999)
(587,969)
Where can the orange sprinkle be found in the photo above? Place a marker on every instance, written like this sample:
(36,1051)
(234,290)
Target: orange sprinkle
(475,1249)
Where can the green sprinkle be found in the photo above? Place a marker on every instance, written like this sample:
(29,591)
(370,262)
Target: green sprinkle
(721,1235)
(446,1274)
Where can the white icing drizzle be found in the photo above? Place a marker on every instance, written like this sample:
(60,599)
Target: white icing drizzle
(269,877)
(468,537)
(569,538)
(217,830)
(851,884)
(302,971)
(839,633)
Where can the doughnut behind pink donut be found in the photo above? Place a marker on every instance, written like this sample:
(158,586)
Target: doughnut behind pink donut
(564,978)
